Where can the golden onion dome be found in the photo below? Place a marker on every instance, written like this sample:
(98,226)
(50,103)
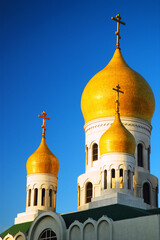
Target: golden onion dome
(42,160)
(138,100)
(117,139)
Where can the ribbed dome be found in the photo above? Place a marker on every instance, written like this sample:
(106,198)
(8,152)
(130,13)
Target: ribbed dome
(137,100)
(117,139)
(42,160)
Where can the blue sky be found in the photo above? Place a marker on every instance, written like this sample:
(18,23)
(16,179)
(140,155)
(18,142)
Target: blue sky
(49,50)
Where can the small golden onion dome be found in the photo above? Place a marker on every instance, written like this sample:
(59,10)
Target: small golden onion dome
(138,100)
(42,160)
(117,139)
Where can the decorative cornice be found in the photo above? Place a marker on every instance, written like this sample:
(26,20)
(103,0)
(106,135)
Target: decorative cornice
(138,125)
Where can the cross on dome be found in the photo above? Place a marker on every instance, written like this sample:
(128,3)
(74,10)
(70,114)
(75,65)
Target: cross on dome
(44,119)
(117,89)
(117,19)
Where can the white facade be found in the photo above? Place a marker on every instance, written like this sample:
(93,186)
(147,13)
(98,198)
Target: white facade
(141,228)
(41,196)
(98,172)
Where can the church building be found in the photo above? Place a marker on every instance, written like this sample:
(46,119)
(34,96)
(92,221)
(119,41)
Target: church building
(117,196)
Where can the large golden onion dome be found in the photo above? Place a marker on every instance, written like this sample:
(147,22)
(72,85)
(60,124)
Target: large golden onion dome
(117,139)
(138,100)
(42,160)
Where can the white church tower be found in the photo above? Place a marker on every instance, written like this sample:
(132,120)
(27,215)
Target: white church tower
(42,171)
(117,150)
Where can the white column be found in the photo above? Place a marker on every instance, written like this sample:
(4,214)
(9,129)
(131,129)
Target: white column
(102,177)
(32,197)
(27,198)
(89,157)
(47,199)
(93,191)
(132,181)
(108,179)
(39,196)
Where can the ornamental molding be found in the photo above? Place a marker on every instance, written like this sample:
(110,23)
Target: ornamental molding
(125,124)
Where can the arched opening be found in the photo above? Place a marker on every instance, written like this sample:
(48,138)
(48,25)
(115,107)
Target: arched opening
(105,179)
(95,152)
(89,188)
(35,196)
(129,179)
(50,198)
(113,184)
(146,193)
(121,182)
(78,195)
(29,198)
(20,237)
(140,155)
(54,203)
(43,197)
(47,234)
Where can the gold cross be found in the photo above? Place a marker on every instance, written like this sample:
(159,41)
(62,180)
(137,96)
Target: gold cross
(44,119)
(117,97)
(117,19)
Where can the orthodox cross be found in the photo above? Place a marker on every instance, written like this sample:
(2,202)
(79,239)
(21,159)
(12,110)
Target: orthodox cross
(117,19)
(117,89)
(44,119)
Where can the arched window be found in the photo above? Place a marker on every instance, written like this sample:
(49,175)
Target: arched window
(19,237)
(89,188)
(50,198)
(29,198)
(54,202)
(43,197)
(121,183)
(113,178)
(95,152)
(105,179)
(78,195)
(146,193)
(35,196)
(140,155)
(129,179)
(48,234)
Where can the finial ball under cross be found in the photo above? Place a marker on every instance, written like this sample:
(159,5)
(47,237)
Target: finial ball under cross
(117,89)
(44,119)
(117,19)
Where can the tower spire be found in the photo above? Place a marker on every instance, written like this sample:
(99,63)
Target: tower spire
(117,19)
(117,89)
(44,121)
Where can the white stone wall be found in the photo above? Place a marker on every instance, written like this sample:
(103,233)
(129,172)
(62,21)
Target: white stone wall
(40,181)
(140,129)
(91,229)
(94,172)
(142,228)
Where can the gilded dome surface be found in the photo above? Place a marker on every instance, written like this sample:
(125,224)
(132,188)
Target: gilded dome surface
(42,160)
(137,100)
(117,139)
